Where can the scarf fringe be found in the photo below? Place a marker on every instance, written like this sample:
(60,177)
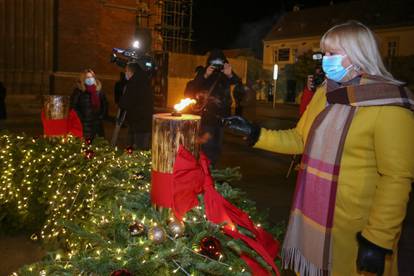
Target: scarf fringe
(293,259)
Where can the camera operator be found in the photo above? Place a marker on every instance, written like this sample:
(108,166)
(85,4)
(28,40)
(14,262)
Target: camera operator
(138,102)
(312,83)
(213,94)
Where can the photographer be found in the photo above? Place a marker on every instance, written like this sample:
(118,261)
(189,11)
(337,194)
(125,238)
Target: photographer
(138,102)
(214,99)
(312,83)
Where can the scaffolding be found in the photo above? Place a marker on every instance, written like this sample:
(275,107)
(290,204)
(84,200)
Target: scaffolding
(177,25)
(168,21)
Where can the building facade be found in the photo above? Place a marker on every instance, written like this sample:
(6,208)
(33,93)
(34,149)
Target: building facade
(301,30)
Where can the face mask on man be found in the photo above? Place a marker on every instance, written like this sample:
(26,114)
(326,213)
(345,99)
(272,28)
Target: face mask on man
(90,81)
(332,66)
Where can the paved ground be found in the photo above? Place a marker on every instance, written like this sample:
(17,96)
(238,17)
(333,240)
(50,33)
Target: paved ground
(263,179)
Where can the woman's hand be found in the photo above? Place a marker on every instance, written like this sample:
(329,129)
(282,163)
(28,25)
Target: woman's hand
(241,126)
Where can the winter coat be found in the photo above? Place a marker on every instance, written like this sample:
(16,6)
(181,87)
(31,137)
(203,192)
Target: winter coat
(3,113)
(118,90)
(91,120)
(138,102)
(213,112)
(377,168)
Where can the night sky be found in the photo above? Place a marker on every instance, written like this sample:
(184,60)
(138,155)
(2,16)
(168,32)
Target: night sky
(239,24)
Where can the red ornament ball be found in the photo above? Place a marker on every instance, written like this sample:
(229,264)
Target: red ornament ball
(129,150)
(89,154)
(121,272)
(210,247)
(88,141)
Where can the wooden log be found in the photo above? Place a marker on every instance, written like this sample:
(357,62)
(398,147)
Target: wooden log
(168,132)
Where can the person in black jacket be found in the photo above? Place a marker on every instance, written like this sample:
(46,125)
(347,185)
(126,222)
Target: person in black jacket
(213,89)
(189,91)
(90,104)
(138,102)
(119,87)
(3,114)
(238,95)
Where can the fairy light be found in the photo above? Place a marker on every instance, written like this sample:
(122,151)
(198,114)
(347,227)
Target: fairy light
(64,181)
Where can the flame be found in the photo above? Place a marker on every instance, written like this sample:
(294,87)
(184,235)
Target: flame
(183,104)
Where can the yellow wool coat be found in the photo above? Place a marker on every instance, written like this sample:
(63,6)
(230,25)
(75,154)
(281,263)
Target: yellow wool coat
(377,168)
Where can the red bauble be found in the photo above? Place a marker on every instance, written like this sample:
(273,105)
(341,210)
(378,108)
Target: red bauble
(210,247)
(129,150)
(89,154)
(88,141)
(121,272)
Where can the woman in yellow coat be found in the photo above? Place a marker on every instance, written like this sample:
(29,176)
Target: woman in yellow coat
(357,144)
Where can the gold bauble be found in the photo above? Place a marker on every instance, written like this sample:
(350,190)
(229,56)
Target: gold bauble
(176,228)
(157,234)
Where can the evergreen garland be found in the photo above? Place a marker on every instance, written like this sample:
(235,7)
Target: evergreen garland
(81,198)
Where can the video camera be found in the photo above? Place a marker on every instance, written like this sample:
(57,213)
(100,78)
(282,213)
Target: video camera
(133,54)
(318,75)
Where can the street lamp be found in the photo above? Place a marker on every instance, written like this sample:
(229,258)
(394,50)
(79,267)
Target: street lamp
(275,74)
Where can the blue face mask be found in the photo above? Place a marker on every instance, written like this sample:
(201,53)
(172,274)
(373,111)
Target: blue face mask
(90,81)
(332,66)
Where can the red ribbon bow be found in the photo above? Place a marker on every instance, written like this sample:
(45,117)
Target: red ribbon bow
(191,178)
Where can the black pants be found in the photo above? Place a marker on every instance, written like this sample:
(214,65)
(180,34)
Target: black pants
(212,149)
(139,140)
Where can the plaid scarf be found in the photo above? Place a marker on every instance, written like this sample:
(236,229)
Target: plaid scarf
(307,246)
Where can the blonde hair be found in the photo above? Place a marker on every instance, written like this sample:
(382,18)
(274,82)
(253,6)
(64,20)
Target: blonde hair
(360,45)
(82,77)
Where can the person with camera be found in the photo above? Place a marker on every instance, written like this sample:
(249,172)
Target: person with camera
(356,137)
(212,86)
(313,82)
(90,104)
(138,103)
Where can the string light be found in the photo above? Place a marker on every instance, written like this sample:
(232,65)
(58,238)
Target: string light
(70,186)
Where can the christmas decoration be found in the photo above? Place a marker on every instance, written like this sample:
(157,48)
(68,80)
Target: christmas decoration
(89,154)
(88,141)
(136,229)
(157,234)
(211,247)
(129,150)
(121,272)
(176,228)
(139,176)
(82,211)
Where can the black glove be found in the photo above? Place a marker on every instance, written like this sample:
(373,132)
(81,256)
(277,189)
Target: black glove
(241,126)
(371,257)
